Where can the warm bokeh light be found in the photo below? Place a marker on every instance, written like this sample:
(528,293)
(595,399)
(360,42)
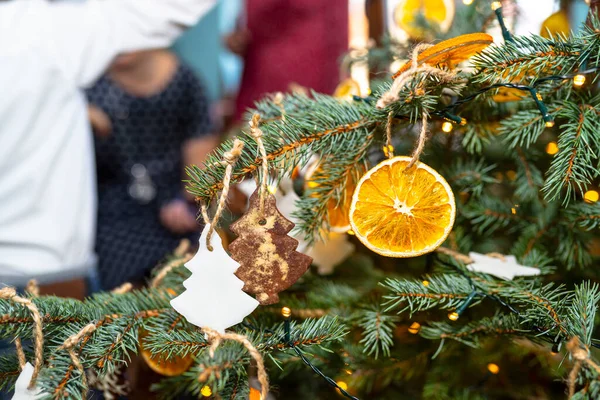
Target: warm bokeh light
(549,124)
(206,391)
(453,316)
(343,385)
(493,368)
(414,328)
(578,80)
(286,312)
(425,283)
(591,196)
(552,148)
(496,5)
(467,2)
(447,127)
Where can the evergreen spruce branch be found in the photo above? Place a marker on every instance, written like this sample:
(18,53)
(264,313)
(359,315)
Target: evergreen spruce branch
(581,315)
(583,215)
(328,184)
(576,164)
(529,178)
(378,331)
(524,127)
(491,213)
(572,246)
(476,137)
(471,333)
(527,58)
(315,132)
(470,176)
(443,291)
(9,371)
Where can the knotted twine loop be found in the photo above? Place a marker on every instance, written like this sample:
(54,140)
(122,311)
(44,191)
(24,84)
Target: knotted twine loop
(581,355)
(69,345)
(215,338)
(257,133)
(182,255)
(391,96)
(9,293)
(229,159)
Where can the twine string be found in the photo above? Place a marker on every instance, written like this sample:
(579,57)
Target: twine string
(391,96)
(215,338)
(229,159)
(9,293)
(69,345)
(278,100)
(581,355)
(421,142)
(257,133)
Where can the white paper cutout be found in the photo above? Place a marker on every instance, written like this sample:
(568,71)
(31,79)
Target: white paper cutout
(504,269)
(214,296)
(21,390)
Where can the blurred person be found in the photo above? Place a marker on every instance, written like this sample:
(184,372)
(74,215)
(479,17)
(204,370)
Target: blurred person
(150,117)
(48,52)
(288,41)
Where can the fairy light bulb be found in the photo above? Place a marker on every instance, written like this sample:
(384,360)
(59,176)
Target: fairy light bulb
(414,328)
(549,124)
(286,312)
(552,148)
(493,368)
(591,196)
(206,391)
(453,316)
(467,2)
(447,127)
(425,283)
(578,80)
(496,5)
(343,385)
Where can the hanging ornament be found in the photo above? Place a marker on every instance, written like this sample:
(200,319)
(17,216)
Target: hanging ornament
(451,52)
(505,267)
(269,262)
(22,391)
(214,298)
(173,366)
(402,212)
(422,19)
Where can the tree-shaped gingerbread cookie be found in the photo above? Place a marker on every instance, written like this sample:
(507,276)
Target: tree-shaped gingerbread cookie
(269,262)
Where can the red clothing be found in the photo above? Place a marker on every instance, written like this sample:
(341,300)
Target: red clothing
(297,41)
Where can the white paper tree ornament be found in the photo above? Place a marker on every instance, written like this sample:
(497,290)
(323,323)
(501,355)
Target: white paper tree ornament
(214,296)
(504,269)
(21,386)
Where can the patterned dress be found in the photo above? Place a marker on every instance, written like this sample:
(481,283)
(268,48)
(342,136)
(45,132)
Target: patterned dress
(139,170)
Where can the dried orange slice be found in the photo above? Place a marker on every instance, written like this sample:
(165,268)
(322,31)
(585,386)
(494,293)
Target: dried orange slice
(346,89)
(174,366)
(337,209)
(399,212)
(436,13)
(452,51)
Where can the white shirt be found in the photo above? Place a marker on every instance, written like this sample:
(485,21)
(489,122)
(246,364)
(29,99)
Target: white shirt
(48,52)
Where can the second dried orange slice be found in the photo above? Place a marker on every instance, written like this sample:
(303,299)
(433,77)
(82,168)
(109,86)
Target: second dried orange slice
(452,51)
(400,212)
